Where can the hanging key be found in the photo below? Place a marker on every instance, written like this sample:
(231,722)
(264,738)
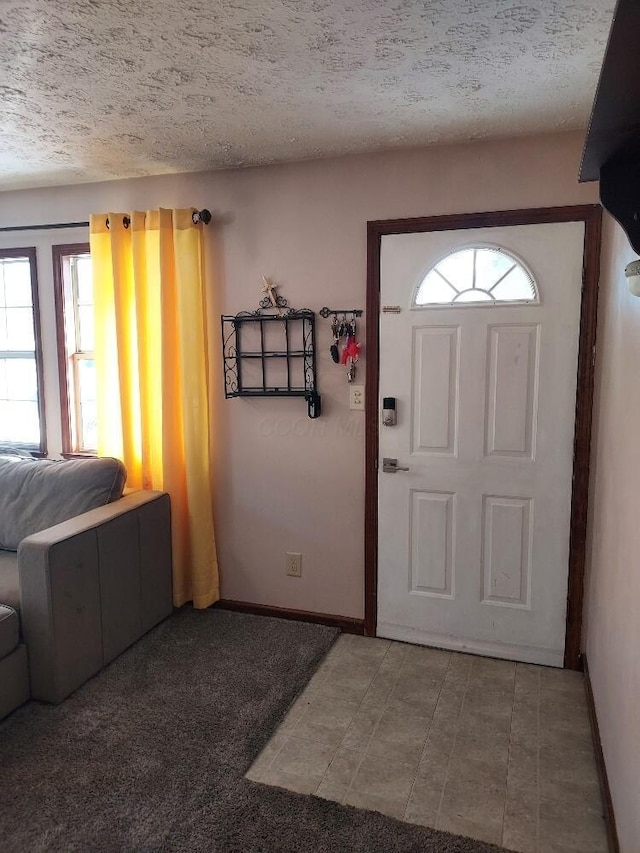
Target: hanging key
(335,331)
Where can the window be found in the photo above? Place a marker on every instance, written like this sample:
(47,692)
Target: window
(74,316)
(21,397)
(477,275)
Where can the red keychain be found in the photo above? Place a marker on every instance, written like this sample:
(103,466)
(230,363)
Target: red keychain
(351,352)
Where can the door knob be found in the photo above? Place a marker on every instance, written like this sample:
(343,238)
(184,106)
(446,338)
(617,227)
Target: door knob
(390,466)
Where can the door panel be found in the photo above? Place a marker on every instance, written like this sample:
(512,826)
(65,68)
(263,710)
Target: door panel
(431,527)
(506,551)
(512,373)
(435,390)
(474,538)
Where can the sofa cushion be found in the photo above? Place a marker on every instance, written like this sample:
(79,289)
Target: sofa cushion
(9,583)
(35,494)
(9,630)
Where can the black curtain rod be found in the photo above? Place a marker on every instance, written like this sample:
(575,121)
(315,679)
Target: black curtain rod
(48,227)
(203,216)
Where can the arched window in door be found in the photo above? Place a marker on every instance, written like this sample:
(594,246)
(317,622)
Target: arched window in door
(477,275)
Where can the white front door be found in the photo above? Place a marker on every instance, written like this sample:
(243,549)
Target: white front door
(481,357)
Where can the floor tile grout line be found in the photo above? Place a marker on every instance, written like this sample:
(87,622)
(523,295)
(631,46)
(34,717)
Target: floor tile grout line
(292,733)
(375,728)
(424,745)
(286,738)
(373,677)
(453,745)
(313,698)
(538,760)
(506,781)
(288,735)
(364,751)
(321,742)
(273,757)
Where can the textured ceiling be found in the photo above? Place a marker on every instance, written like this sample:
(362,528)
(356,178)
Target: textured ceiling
(99,89)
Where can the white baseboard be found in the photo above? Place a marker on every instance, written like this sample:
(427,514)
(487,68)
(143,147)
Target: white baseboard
(505,651)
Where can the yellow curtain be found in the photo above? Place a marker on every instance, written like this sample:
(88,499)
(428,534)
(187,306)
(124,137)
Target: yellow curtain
(151,367)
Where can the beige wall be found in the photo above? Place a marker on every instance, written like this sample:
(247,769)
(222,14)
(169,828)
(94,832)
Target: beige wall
(612,626)
(283,482)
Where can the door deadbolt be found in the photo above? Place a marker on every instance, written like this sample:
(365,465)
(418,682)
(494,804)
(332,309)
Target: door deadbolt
(389,416)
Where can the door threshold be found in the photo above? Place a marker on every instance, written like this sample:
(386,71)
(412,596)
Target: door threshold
(504,651)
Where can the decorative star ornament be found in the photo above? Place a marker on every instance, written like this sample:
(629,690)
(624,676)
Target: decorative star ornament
(272,293)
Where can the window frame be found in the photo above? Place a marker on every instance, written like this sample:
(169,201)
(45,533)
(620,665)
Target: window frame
(493,302)
(59,253)
(30,253)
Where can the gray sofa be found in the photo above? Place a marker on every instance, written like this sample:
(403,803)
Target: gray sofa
(76,587)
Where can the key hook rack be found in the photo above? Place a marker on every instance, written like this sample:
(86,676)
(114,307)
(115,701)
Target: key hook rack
(327,312)
(344,327)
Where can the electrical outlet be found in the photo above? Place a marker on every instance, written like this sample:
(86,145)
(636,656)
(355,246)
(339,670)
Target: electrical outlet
(294,565)
(356,398)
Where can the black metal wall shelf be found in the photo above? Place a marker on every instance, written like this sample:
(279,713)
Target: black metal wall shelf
(271,354)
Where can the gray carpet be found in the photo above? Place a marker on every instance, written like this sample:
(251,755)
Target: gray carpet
(150,754)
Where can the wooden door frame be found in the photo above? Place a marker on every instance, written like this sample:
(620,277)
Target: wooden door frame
(591,215)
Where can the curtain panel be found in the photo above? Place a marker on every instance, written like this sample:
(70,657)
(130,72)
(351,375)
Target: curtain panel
(152,376)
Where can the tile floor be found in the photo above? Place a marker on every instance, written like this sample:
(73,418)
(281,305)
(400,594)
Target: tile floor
(494,750)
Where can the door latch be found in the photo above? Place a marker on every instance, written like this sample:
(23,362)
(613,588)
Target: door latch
(390,466)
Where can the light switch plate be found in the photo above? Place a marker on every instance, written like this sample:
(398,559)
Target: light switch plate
(356,398)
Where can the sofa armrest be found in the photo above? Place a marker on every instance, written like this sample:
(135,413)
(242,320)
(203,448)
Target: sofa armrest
(91,586)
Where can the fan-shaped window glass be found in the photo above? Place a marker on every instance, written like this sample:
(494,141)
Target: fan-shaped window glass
(479,275)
